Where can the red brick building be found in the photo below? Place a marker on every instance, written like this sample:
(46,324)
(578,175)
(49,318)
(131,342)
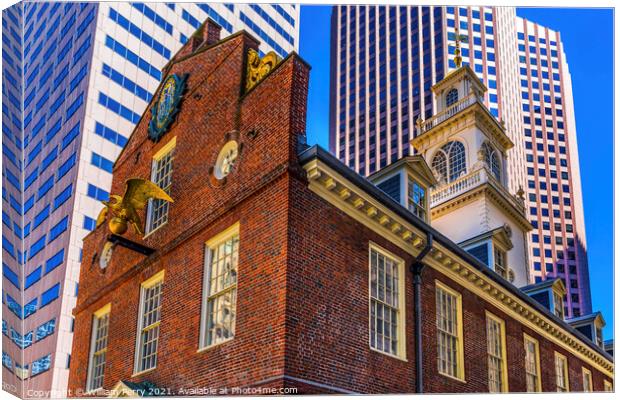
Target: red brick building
(278,267)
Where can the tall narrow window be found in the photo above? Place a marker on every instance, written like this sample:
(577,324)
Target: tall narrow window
(532,364)
(161,175)
(220,289)
(587,379)
(386,312)
(558,305)
(417,199)
(148,323)
(608,386)
(500,261)
(561,373)
(492,160)
(449,332)
(496,354)
(98,348)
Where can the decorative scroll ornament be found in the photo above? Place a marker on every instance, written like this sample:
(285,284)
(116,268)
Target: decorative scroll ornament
(166,107)
(258,67)
(125,209)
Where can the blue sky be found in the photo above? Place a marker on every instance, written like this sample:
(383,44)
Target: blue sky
(587,35)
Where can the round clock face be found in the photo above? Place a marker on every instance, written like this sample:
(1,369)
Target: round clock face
(226,159)
(106,254)
(166,98)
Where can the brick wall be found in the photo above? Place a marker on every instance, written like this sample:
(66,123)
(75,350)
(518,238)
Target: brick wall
(266,122)
(327,315)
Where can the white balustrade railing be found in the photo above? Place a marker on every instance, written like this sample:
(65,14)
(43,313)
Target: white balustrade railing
(445,192)
(454,109)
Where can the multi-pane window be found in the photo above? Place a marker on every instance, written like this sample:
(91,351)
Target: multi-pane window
(417,199)
(98,348)
(500,261)
(221,287)
(599,336)
(452,97)
(492,160)
(161,175)
(386,313)
(449,332)
(558,305)
(532,365)
(496,354)
(148,320)
(561,373)
(449,162)
(587,379)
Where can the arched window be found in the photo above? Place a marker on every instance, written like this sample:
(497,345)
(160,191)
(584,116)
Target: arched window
(449,161)
(452,97)
(440,165)
(492,159)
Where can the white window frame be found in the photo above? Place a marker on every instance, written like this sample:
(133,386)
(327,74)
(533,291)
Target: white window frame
(558,304)
(460,359)
(498,250)
(417,209)
(401,350)
(527,338)
(210,245)
(98,318)
(608,386)
(169,148)
(156,279)
(561,378)
(586,375)
(503,378)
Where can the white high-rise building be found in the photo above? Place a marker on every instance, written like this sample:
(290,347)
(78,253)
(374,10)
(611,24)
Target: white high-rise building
(77,77)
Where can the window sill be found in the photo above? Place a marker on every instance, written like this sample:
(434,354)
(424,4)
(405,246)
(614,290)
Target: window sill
(143,372)
(149,233)
(453,377)
(211,346)
(400,358)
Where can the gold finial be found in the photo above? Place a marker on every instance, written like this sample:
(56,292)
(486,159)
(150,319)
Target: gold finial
(457,48)
(258,67)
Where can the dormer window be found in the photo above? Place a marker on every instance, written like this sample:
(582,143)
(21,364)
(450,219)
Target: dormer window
(416,198)
(452,97)
(449,161)
(492,159)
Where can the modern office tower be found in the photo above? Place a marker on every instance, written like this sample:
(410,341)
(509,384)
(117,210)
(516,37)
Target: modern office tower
(558,241)
(385,61)
(87,70)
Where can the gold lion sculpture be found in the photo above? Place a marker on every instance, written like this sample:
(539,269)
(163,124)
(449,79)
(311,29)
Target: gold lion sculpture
(124,209)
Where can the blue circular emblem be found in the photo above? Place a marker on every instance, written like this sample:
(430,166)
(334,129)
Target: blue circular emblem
(167,106)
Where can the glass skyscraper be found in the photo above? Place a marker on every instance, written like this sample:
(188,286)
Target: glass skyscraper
(558,241)
(385,59)
(76,79)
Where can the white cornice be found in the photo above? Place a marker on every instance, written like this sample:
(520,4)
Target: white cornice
(375,215)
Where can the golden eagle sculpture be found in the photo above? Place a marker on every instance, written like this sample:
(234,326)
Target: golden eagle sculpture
(125,209)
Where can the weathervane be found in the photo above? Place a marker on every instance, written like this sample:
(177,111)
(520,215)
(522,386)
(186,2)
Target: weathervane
(457,49)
